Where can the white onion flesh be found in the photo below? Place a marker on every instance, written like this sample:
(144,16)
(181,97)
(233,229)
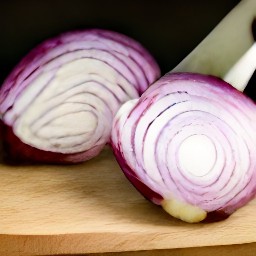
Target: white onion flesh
(190,139)
(62,96)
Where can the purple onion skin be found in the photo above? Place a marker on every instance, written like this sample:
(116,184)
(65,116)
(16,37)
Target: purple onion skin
(24,153)
(218,91)
(154,197)
(120,53)
(148,193)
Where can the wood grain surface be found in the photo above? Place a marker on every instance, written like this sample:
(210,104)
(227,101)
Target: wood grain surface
(92,208)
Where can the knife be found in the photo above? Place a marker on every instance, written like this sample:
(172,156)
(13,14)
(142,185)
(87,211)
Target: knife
(229,50)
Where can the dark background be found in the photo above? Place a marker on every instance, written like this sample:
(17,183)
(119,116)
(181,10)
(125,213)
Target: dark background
(168,29)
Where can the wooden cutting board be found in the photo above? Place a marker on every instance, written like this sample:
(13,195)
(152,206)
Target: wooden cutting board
(92,208)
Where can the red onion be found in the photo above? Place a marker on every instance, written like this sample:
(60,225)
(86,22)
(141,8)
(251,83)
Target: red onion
(188,144)
(58,104)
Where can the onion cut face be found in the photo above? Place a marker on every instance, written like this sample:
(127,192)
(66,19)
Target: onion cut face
(58,104)
(188,144)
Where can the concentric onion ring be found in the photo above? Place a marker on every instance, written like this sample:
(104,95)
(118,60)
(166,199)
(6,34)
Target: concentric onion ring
(188,144)
(59,102)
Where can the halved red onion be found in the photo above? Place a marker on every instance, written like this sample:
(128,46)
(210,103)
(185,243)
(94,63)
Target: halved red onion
(188,144)
(58,104)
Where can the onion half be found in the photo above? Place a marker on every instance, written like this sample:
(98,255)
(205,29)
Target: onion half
(58,104)
(188,144)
